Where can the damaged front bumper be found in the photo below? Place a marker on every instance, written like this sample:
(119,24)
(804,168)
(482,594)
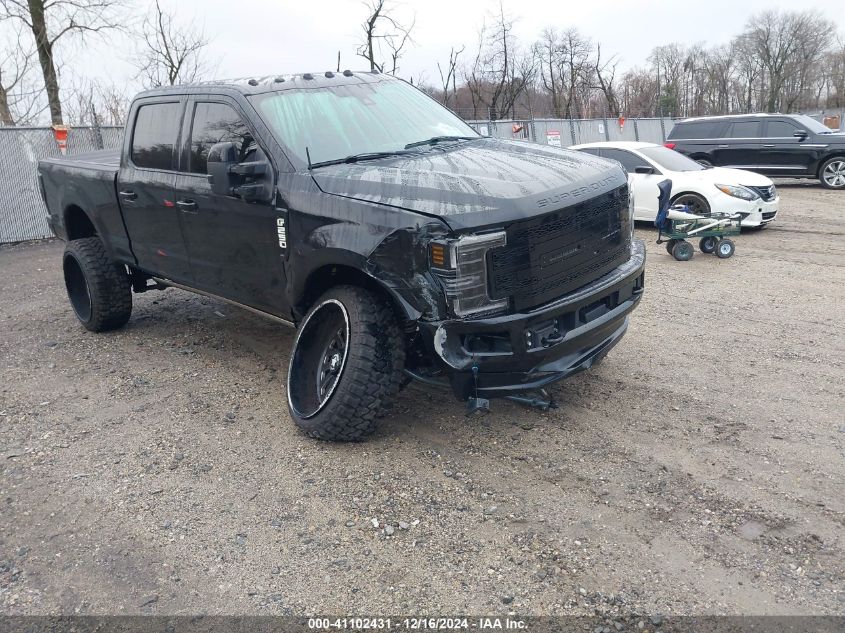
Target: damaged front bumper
(506,355)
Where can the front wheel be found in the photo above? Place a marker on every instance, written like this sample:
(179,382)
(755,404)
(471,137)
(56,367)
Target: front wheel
(682,251)
(725,249)
(98,288)
(693,202)
(832,173)
(346,365)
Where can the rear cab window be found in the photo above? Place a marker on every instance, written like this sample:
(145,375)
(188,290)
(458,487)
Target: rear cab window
(155,134)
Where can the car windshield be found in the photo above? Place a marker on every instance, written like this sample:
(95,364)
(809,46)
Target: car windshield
(362,118)
(811,124)
(669,159)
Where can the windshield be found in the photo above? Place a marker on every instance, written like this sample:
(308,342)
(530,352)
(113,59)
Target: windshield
(812,125)
(669,159)
(345,120)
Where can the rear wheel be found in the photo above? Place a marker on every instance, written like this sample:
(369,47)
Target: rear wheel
(707,244)
(670,245)
(832,173)
(98,288)
(694,203)
(346,365)
(683,251)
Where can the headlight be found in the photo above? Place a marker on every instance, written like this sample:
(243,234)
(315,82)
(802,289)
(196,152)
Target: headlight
(462,265)
(738,191)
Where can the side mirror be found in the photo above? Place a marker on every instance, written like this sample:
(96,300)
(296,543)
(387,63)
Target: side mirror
(221,158)
(248,180)
(644,169)
(800,134)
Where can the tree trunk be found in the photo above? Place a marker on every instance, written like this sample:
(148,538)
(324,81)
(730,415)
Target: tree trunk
(45,58)
(6,117)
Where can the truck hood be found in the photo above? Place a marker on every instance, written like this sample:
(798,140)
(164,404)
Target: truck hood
(476,184)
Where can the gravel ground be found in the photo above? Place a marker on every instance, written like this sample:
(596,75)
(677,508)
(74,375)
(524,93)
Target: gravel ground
(699,470)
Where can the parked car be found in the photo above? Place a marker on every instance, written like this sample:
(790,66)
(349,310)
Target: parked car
(792,145)
(701,189)
(398,241)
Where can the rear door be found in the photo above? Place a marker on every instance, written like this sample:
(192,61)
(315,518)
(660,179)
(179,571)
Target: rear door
(741,145)
(145,188)
(233,245)
(782,152)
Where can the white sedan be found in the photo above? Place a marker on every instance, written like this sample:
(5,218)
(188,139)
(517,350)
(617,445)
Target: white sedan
(701,189)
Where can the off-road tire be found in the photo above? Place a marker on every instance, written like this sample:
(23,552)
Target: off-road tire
(371,372)
(98,288)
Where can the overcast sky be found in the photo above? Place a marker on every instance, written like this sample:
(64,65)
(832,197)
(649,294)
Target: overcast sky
(255,37)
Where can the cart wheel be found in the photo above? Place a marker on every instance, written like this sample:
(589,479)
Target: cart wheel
(670,245)
(725,249)
(682,251)
(708,244)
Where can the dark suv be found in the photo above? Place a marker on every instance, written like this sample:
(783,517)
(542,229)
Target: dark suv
(790,145)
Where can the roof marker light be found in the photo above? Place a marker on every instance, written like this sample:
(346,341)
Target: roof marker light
(329,74)
(279,80)
(347,73)
(308,76)
(253,82)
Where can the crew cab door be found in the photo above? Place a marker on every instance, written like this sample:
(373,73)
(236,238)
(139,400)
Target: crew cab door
(233,245)
(146,187)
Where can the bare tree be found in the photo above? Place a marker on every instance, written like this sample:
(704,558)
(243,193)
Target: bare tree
(382,28)
(170,52)
(450,77)
(20,93)
(91,102)
(605,75)
(53,21)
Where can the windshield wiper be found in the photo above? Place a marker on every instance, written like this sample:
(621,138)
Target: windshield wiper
(354,158)
(434,140)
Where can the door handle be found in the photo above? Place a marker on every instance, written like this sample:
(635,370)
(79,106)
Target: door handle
(724,146)
(128,195)
(189,206)
(769,145)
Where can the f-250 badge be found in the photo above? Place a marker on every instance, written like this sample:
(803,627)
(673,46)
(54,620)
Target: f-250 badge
(282,231)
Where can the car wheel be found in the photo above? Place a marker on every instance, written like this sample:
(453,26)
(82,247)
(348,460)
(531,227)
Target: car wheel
(694,202)
(98,288)
(707,244)
(725,249)
(347,364)
(682,251)
(833,173)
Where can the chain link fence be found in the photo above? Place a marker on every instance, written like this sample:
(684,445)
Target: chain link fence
(23,215)
(566,132)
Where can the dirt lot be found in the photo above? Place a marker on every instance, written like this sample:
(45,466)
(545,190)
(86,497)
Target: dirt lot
(700,469)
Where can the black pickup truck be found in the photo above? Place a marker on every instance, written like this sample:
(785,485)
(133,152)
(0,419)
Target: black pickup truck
(398,241)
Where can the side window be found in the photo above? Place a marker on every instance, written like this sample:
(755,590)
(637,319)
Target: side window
(216,123)
(744,129)
(629,161)
(154,135)
(590,150)
(780,129)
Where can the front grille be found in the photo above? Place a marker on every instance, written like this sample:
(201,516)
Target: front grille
(553,254)
(766,193)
